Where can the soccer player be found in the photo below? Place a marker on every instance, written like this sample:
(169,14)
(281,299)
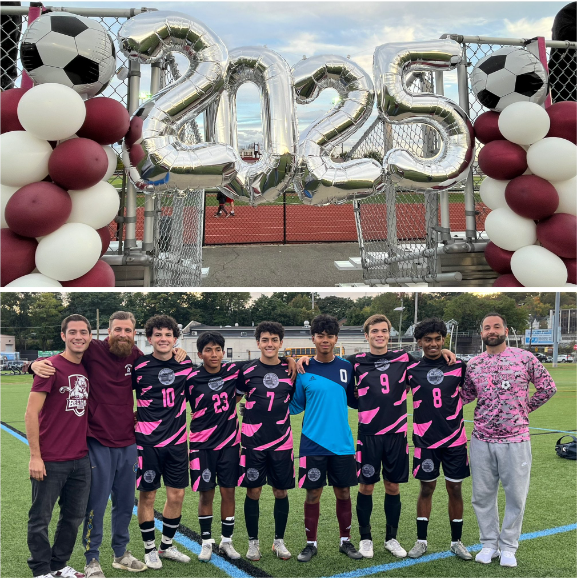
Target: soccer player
(266,436)
(160,385)
(56,422)
(326,447)
(438,433)
(500,444)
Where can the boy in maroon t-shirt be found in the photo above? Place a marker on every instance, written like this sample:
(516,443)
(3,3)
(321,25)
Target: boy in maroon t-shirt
(56,423)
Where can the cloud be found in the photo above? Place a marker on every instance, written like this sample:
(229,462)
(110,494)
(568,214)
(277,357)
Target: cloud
(526,28)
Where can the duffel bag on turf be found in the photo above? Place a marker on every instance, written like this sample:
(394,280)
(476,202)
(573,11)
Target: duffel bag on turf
(567,449)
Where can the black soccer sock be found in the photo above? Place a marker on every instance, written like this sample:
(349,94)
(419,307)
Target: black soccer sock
(227,526)
(392,515)
(422,526)
(251,514)
(147,532)
(364,511)
(456,530)
(281,513)
(169,528)
(205,527)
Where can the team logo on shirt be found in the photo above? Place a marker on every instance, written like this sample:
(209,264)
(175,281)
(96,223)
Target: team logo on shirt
(368,470)
(435,376)
(270,380)
(252,474)
(382,365)
(216,384)
(206,475)
(148,476)
(428,465)
(314,474)
(77,393)
(505,384)
(166,376)
(127,369)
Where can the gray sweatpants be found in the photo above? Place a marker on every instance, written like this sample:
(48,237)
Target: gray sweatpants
(509,463)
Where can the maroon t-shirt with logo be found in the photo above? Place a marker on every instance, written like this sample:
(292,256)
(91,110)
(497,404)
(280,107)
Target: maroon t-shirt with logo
(63,419)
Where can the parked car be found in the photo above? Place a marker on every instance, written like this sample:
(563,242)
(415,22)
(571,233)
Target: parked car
(565,358)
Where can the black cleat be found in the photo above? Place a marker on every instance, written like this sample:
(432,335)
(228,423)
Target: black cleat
(349,550)
(307,553)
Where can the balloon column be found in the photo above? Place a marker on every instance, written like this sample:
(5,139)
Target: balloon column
(530,159)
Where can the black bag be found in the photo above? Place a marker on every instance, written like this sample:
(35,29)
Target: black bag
(567,449)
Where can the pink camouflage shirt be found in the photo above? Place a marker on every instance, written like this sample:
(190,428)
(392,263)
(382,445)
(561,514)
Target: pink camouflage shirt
(500,382)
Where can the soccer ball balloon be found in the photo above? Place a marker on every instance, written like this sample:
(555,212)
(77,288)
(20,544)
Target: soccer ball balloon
(70,50)
(507,76)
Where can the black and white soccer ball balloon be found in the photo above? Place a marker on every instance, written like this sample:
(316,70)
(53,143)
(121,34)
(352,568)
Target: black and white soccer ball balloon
(507,76)
(71,50)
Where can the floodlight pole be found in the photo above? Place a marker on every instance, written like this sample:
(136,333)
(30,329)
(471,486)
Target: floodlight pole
(556,329)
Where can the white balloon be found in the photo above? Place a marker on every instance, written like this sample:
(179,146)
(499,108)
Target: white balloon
(6,192)
(492,192)
(34,280)
(112,161)
(68,252)
(24,158)
(96,206)
(535,266)
(51,111)
(524,123)
(553,159)
(567,191)
(510,231)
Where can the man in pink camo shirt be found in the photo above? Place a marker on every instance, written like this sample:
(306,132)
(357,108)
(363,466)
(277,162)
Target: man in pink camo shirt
(500,444)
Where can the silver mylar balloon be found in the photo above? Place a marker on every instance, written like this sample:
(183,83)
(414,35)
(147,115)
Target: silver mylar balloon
(170,163)
(319,180)
(394,65)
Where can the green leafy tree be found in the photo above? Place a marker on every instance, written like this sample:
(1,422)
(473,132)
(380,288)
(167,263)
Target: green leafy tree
(86,304)
(336,306)
(46,314)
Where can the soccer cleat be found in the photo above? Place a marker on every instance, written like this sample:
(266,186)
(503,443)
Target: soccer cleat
(486,555)
(461,551)
(227,548)
(93,569)
(128,562)
(508,559)
(418,550)
(307,553)
(253,552)
(206,551)
(173,554)
(280,550)
(152,560)
(349,550)
(395,548)
(67,572)
(366,548)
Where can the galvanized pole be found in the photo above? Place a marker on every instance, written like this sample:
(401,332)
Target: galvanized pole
(556,329)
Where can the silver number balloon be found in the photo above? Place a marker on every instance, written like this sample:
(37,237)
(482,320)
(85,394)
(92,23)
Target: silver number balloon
(319,180)
(171,164)
(266,179)
(394,64)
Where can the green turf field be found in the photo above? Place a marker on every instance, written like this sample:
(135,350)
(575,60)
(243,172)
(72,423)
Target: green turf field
(551,504)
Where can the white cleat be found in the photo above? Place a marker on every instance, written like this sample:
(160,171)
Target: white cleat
(206,551)
(395,548)
(280,550)
(173,554)
(508,559)
(227,548)
(486,555)
(253,553)
(366,548)
(152,560)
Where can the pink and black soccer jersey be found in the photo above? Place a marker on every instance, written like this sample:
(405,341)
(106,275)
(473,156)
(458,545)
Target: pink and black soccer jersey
(266,422)
(212,397)
(160,388)
(437,406)
(382,391)
(63,419)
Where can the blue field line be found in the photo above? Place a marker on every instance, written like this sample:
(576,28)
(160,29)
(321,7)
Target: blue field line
(215,560)
(446,554)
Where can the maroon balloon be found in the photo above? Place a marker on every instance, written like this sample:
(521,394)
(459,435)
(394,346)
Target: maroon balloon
(9,100)
(107,121)
(104,233)
(498,259)
(563,121)
(78,164)
(507,280)
(18,256)
(487,127)
(101,275)
(136,155)
(571,265)
(532,197)
(38,209)
(134,132)
(558,234)
(503,160)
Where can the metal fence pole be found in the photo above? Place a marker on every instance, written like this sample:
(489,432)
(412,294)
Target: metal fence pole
(130,218)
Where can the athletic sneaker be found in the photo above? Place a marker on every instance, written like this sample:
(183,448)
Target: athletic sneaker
(128,563)
(67,572)
(227,548)
(366,548)
(93,569)
(206,551)
(230,215)
(418,550)
(395,548)
(173,554)
(486,555)
(461,551)
(253,552)
(152,560)
(349,550)
(280,550)
(508,559)
(307,553)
